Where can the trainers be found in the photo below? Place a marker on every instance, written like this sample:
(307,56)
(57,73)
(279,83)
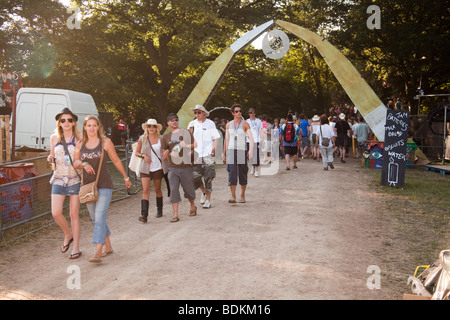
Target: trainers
(252,170)
(331,165)
(203,198)
(256,173)
(207,205)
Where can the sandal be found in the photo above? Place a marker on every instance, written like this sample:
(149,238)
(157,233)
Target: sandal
(175,219)
(106,253)
(95,260)
(193,212)
(232,201)
(241,200)
(64,248)
(75,255)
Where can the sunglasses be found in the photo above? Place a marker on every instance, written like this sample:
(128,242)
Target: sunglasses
(173,120)
(152,126)
(198,112)
(237,111)
(64,120)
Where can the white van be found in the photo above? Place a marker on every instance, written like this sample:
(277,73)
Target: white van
(36,109)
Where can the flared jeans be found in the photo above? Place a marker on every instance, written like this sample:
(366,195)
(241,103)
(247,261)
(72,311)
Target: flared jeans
(98,211)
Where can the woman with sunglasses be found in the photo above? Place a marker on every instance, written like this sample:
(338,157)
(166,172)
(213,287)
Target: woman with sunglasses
(152,167)
(235,153)
(65,180)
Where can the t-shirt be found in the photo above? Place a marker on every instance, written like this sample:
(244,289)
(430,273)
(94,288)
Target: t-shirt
(304,124)
(342,127)
(204,134)
(256,127)
(326,131)
(297,132)
(172,140)
(362,132)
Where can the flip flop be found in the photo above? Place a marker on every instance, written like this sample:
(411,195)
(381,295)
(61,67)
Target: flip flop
(75,255)
(64,248)
(106,253)
(241,200)
(95,260)
(193,212)
(176,219)
(232,201)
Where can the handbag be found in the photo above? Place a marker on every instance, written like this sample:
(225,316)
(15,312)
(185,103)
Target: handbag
(89,192)
(325,141)
(135,161)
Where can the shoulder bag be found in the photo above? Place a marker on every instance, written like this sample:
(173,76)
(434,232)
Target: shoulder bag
(325,141)
(89,192)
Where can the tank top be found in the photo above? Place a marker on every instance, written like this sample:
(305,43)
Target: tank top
(156,162)
(237,136)
(92,156)
(64,174)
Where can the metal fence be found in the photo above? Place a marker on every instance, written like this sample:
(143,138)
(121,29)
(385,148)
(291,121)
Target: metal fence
(25,205)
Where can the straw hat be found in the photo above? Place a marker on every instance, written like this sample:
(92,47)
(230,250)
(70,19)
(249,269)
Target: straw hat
(316,118)
(201,108)
(342,116)
(151,122)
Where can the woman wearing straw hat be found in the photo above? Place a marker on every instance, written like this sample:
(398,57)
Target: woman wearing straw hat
(152,168)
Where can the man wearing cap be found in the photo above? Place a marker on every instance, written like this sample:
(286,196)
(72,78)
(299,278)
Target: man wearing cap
(177,146)
(342,129)
(206,137)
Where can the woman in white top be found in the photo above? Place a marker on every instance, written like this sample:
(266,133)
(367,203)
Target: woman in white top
(315,125)
(153,167)
(326,131)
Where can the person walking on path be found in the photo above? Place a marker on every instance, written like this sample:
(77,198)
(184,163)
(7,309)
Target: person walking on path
(206,137)
(306,130)
(178,146)
(152,167)
(315,126)
(256,128)
(65,180)
(326,150)
(342,130)
(290,132)
(362,132)
(88,153)
(235,153)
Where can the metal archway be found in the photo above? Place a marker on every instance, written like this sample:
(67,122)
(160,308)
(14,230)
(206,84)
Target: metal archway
(369,105)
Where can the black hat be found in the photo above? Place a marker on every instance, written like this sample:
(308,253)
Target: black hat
(66,111)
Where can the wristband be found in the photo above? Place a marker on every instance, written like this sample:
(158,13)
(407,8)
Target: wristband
(127,179)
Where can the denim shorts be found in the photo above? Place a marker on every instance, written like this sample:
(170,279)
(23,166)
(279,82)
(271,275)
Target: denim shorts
(66,191)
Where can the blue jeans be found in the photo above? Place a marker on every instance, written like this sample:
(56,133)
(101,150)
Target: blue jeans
(98,211)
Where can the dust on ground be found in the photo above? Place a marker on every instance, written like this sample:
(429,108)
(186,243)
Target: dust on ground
(302,234)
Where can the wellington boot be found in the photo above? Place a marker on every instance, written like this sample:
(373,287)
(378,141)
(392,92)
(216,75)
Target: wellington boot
(159,207)
(144,211)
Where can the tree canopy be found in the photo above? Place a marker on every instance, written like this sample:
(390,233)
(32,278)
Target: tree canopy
(146,56)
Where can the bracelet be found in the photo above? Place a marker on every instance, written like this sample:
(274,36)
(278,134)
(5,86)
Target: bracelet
(127,179)
(84,164)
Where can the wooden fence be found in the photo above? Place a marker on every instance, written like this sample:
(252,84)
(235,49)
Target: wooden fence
(5,144)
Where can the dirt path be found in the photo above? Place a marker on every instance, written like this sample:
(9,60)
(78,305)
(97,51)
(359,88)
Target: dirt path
(303,234)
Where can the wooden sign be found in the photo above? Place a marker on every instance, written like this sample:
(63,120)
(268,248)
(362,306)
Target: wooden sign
(394,153)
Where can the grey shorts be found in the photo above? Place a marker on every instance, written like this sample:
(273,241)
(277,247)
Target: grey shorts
(183,176)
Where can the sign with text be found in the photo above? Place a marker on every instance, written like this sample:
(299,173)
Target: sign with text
(395,143)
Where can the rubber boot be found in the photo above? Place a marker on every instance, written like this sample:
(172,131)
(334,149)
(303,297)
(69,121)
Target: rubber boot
(159,207)
(144,211)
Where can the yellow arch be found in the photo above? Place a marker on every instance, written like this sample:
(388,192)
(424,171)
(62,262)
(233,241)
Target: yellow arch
(370,106)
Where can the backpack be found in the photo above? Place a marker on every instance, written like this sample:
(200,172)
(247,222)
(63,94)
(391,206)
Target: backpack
(289,132)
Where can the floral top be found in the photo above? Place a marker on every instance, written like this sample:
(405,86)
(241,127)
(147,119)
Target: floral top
(64,174)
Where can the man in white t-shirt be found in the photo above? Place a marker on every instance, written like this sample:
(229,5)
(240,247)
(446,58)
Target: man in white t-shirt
(206,137)
(256,128)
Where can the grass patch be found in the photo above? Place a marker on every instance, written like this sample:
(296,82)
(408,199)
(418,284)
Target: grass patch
(417,222)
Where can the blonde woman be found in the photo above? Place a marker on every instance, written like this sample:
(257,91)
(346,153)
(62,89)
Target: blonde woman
(152,167)
(87,157)
(65,180)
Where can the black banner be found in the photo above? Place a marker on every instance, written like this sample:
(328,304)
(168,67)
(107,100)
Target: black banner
(395,143)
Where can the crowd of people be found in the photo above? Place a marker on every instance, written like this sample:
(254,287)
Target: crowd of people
(186,157)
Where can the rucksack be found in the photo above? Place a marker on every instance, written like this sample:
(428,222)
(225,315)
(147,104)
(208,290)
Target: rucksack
(289,132)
